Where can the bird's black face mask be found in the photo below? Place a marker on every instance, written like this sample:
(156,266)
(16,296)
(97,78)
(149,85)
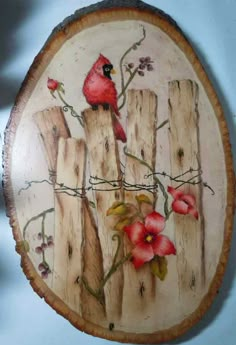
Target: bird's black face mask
(107,70)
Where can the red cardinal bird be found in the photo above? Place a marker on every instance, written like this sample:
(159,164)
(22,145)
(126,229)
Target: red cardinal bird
(100,89)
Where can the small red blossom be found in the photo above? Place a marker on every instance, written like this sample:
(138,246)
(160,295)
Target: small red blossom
(147,239)
(53,84)
(183,203)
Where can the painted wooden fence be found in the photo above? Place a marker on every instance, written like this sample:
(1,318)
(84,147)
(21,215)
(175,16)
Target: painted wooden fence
(84,248)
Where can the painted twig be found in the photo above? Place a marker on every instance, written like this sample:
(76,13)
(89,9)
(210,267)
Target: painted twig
(40,215)
(68,107)
(124,85)
(98,294)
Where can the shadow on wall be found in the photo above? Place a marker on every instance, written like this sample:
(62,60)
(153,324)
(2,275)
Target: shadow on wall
(13,15)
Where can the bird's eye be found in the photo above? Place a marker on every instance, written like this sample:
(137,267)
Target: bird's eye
(107,69)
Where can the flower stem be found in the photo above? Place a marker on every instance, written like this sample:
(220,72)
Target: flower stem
(132,74)
(42,214)
(123,92)
(29,184)
(98,294)
(168,214)
(155,178)
(114,268)
(70,107)
(43,238)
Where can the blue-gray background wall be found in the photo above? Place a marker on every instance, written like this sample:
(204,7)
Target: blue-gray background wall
(210,25)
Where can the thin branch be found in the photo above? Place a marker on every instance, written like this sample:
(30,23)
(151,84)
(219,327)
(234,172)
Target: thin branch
(42,214)
(155,178)
(98,294)
(68,107)
(29,184)
(123,92)
(116,237)
(92,292)
(132,74)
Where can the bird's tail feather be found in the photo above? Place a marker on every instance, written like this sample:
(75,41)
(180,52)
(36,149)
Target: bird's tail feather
(116,110)
(119,130)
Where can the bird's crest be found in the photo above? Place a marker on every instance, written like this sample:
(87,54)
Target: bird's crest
(101,61)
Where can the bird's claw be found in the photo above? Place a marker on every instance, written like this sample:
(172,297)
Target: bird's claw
(105,106)
(95,107)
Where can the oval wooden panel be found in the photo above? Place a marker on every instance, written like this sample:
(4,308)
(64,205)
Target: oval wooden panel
(120,187)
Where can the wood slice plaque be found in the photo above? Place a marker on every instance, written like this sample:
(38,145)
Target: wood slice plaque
(118,175)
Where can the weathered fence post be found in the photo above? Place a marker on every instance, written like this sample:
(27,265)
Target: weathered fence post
(104,167)
(52,125)
(185,154)
(75,227)
(92,270)
(71,161)
(141,143)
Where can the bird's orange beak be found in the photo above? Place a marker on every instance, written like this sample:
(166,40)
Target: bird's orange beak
(113,71)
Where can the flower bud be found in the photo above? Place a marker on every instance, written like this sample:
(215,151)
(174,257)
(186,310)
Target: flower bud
(142,66)
(44,245)
(41,266)
(150,67)
(38,250)
(52,84)
(147,59)
(141,73)
(44,274)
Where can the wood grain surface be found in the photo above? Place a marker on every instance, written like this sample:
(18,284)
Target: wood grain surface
(185,154)
(141,133)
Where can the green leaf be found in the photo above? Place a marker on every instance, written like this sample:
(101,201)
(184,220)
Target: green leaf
(122,223)
(92,204)
(159,267)
(117,209)
(143,198)
(61,88)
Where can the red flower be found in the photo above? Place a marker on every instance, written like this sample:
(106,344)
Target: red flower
(53,84)
(147,240)
(183,203)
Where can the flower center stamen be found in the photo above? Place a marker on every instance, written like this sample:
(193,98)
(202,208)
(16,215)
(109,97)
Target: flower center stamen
(149,238)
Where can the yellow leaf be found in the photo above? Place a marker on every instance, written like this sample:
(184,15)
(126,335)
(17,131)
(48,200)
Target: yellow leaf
(122,223)
(159,267)
(117,209)
(143,198)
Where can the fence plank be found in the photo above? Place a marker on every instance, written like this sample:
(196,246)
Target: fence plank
(52,125)
(104,164)
(184,152)
(92,310)
(139,286)
(71,163)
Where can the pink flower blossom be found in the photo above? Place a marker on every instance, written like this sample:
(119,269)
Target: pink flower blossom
(147,239)
(183,203)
